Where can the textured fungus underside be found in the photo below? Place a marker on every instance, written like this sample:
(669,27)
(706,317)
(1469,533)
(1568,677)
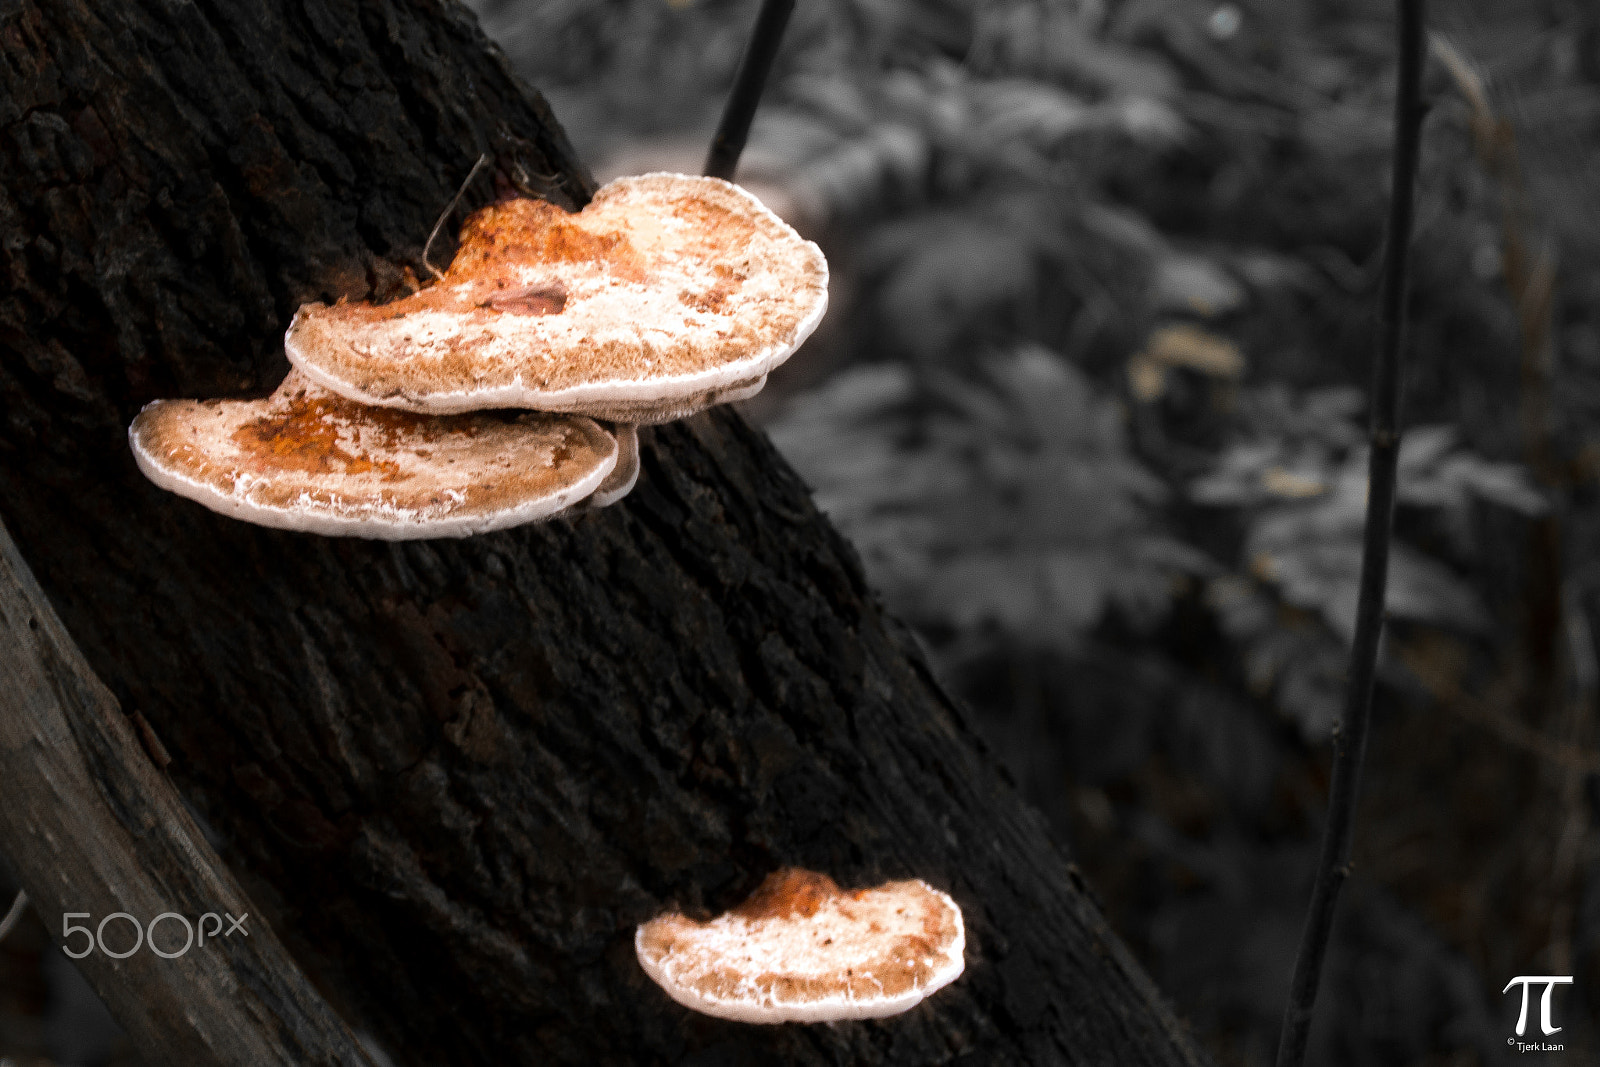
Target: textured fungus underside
(458,774)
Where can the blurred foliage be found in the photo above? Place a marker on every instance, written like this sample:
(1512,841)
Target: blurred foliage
(1002,511)
(1298,479)
(1090,403)
(1009,511)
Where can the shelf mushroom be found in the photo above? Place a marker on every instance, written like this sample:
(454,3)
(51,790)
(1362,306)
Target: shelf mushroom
(305,459)
(803,950)
(666,294)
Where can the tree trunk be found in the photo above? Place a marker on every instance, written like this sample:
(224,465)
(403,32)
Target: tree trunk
(457,774)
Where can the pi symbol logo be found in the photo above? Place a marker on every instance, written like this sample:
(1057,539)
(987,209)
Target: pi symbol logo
(1549,981)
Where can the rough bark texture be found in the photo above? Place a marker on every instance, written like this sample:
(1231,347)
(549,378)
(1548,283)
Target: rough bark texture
(458,773)
(99,831)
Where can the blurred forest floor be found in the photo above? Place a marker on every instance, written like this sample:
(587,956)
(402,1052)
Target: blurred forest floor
(1090,401)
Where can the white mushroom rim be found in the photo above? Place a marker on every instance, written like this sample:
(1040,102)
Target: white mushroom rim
(804,950)
(625,475)
(307,460)
(666,288)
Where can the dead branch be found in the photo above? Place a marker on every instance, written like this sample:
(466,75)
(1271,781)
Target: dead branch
(92,826)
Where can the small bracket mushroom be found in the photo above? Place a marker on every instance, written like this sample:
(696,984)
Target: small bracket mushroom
(803,950)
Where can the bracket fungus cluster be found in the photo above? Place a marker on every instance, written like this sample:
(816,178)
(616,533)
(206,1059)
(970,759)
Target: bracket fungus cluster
(665,295)
(803,950)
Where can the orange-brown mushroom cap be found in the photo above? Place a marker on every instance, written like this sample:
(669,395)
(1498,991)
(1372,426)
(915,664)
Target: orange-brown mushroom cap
(665,294)
(305,459)
(803,950)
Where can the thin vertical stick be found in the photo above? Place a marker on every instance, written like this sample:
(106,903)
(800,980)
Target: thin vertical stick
(1350,740)
(728,144)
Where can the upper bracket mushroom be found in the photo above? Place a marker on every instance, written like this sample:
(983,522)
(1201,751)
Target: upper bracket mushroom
(666,294)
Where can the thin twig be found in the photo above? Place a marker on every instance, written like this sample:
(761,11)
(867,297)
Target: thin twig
(728,144)
(14,916)
(1350,741)
(437,226)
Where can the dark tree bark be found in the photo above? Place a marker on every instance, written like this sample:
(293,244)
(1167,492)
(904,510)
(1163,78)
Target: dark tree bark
(459,773)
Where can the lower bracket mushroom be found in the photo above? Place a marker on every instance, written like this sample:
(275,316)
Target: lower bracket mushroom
(307,459)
